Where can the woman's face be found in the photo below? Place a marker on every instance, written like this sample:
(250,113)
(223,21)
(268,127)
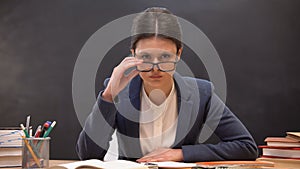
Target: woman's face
(157,50)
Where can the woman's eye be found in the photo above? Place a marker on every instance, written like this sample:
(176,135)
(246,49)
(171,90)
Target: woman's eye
(165,57)
(145,57)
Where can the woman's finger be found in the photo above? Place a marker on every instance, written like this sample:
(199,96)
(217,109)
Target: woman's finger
(132,74)
(122,67)
(131,63)
(129,59)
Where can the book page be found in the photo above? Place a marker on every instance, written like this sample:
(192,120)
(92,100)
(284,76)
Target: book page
(124,164)
(98,164)
(10,151)
(10,161)
(81,164)
(296,134)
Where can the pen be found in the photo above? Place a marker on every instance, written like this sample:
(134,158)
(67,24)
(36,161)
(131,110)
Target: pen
(25,131)
(49,129)
(151,165)
(27,123)
(30,132)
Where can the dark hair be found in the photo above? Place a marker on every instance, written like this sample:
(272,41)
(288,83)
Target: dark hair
(156,21)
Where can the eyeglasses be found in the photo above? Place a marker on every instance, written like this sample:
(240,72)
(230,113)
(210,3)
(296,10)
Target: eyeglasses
(162,66)
(166,61)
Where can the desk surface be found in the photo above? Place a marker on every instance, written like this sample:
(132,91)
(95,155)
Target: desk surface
(279,163)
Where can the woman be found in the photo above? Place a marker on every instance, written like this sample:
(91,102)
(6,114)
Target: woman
(158,114)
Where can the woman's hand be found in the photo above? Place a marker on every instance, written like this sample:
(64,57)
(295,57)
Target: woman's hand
(118,79)
(164,154)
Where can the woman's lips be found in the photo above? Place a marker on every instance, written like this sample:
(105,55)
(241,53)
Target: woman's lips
(155,76)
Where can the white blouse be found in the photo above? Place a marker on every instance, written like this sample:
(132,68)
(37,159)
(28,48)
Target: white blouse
(158,123)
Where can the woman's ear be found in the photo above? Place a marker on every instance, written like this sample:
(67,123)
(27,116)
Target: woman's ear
(132,52)
(179,53)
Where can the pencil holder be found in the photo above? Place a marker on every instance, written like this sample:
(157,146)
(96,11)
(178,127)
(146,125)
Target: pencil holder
(35,152)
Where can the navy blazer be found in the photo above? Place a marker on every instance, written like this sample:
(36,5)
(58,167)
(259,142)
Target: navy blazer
(200,114)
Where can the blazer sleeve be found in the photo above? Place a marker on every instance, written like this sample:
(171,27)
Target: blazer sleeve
(93,141)
(236,143)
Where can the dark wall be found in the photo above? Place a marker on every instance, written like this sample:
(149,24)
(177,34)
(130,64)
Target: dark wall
(258,42)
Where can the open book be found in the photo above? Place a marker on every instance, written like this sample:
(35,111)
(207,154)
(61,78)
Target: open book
(293,135)
(97,164)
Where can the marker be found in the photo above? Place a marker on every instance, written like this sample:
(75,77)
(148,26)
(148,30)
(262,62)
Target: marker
(49,129)
(44,128)
(49,122)
(25,131)
(38,131)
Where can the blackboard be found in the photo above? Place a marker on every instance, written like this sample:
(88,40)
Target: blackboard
(257,41)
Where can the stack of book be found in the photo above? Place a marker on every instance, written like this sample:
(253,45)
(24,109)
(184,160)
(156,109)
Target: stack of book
(282,147)
(10,147)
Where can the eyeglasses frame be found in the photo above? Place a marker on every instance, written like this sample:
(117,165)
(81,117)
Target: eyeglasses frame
(153,64)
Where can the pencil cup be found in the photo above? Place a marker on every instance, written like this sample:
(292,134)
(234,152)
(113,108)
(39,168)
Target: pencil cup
(35,152)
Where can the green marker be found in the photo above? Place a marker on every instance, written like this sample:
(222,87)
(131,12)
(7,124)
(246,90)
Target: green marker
(25,131)
(49,129)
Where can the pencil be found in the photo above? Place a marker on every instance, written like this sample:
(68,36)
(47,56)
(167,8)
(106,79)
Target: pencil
(31,151)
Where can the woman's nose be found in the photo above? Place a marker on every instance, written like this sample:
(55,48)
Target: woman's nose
(155,68)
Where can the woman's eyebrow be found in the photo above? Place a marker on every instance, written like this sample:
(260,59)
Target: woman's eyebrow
(166,53)
(147,53)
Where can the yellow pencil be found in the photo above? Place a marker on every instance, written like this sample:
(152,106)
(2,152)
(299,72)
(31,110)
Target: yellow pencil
(31,151)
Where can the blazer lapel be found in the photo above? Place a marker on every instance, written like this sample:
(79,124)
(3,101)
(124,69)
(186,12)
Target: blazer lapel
(133,125)
(128,106)
(185,107)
